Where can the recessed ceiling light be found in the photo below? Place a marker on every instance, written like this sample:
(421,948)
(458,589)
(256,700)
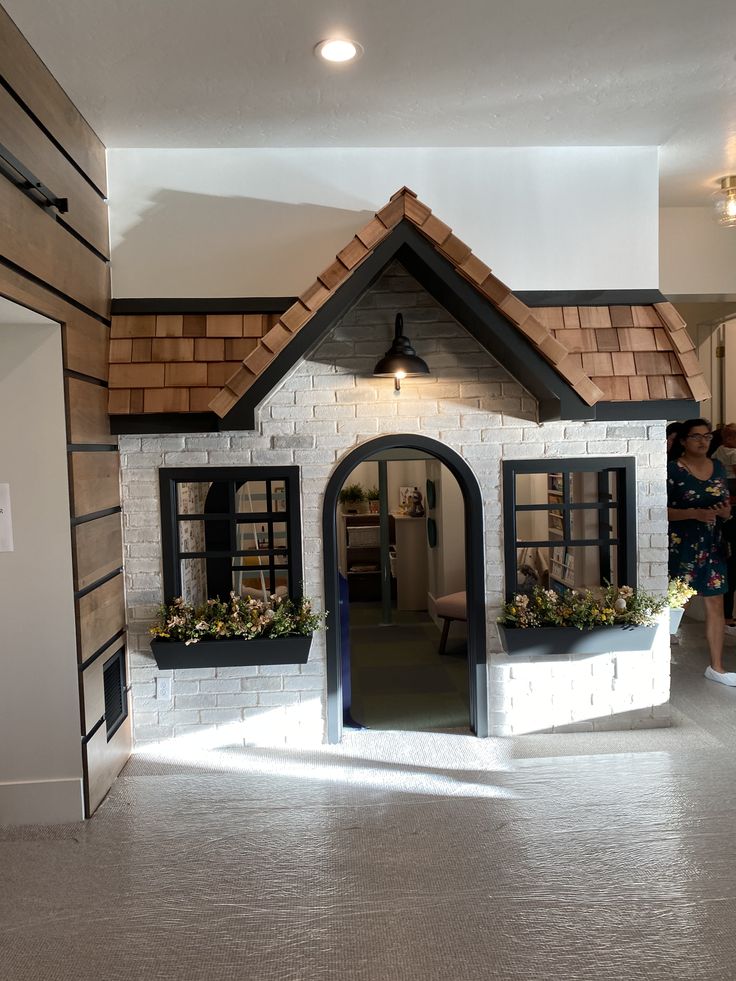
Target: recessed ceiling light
(339,50)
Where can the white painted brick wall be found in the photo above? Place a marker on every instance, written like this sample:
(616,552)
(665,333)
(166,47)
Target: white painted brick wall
(322,411)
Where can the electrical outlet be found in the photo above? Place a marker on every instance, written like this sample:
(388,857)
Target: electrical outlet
(163,689)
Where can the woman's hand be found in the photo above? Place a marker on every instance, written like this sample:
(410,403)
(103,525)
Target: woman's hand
(706,515)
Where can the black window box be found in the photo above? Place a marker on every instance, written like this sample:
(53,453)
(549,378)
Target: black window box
(175,654)
(561,641)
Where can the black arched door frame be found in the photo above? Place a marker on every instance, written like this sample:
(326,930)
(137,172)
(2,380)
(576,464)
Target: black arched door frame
(474,564)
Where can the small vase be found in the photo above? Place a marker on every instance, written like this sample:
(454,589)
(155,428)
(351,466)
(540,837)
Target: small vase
(675,618)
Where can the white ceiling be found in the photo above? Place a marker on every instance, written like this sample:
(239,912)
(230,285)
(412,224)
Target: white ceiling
(241,73)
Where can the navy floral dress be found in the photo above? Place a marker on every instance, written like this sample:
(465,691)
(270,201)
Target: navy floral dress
(697,550)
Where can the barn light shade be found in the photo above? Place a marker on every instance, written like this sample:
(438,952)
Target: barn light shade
(401,360)
(724,200)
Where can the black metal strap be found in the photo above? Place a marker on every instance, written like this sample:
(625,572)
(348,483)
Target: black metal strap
(27,182)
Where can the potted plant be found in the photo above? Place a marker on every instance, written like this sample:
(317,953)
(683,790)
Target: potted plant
(351,497)
(678,593)
(373,497)
(580,622)
(240,631)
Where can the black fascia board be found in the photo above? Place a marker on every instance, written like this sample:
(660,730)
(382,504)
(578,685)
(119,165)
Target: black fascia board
(163,423)
(136,306)
(503,341)
(670,409)
(589,298)
(242,415)
(438,276)
(133,305)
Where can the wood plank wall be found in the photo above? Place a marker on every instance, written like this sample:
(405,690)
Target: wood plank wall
(58,265)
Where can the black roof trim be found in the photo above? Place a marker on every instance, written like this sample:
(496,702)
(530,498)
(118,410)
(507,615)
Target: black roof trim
(669,409)
(278,304)
(164,423)
(132,306)
(589,298)
(440,278)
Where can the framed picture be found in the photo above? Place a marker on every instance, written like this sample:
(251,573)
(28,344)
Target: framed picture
(405,497)
(411,502)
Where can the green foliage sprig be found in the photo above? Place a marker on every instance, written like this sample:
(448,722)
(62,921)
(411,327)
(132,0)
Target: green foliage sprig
(247,618)
(584,609)
(678,593)
(351,494)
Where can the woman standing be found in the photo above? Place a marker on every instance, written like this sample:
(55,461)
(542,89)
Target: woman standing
(697,499)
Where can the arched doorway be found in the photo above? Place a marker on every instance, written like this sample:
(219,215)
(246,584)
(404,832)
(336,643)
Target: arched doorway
(475,561)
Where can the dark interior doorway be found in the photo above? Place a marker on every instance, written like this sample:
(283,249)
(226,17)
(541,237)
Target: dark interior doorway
(398,674)
(369,596)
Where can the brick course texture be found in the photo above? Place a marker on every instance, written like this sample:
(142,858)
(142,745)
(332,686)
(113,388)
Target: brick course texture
(328,406)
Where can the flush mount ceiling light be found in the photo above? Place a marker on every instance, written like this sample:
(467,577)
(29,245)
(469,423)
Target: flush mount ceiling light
(400,361)
(338,50)
(724,200)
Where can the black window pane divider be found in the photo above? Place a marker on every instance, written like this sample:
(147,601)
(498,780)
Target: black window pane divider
(222,527)
(621,566)
(591,506)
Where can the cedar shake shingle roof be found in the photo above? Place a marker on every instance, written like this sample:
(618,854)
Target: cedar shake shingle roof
(193,363)
(177,363)
(605,353)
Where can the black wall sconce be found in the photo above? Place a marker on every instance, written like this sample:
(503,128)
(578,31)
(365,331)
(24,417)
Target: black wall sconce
(401,360)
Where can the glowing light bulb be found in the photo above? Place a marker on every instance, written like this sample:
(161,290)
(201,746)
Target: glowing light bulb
(339,50)
(397,379)
(724,200)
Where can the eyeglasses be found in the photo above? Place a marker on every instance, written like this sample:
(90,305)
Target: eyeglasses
(703,437)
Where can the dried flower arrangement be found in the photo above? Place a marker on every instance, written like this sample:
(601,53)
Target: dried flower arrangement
(614,606)
(678,593)
(244,618)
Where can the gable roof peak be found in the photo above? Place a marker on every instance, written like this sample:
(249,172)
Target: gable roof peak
(557,347)
(403,191)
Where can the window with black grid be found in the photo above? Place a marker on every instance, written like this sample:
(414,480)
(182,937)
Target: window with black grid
(569,524)
(230,529)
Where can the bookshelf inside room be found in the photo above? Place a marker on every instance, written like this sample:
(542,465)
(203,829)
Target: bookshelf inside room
(573,527)
(575,567)
(360,555)
(561,560)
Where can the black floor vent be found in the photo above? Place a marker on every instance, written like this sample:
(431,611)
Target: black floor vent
(116,697)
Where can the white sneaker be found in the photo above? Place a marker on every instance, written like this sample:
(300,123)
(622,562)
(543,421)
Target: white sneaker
(727,678)
(730,630)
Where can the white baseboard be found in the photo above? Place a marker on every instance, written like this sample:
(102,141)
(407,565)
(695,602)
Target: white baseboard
(41,802)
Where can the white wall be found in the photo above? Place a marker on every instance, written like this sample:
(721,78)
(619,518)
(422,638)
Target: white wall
(697,256)
(40,749)
(252,222)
